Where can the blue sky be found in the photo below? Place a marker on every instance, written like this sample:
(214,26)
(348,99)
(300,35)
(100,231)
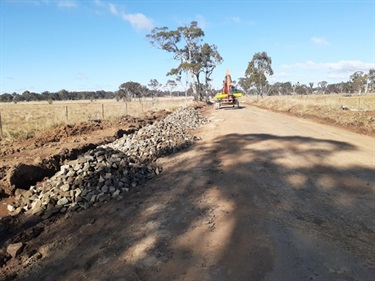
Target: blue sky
(49,45)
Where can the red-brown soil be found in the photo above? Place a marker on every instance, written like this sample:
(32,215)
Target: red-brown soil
(262,196)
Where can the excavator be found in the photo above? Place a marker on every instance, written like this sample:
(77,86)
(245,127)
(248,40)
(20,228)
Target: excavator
(229,95)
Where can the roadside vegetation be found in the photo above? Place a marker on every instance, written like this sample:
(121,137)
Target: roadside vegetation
(354,112)
(24,119)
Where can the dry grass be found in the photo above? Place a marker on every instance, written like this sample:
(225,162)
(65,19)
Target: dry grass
(24,119)
(327,108)
(360,103)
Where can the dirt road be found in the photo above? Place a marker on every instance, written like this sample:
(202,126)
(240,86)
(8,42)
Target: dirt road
(262,196)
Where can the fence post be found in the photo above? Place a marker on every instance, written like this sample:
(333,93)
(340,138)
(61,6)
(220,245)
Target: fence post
(102,111)
(66,113)
(126,108)
(1,128)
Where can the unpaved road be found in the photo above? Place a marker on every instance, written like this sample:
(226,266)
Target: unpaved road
(262,196)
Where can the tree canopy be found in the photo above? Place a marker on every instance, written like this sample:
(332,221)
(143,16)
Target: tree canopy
(131,90)
(256,71)
(185,43)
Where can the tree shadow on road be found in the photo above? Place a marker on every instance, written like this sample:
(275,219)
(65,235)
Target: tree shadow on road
(224,210)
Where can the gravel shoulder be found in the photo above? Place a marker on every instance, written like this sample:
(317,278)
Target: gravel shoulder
(260,196)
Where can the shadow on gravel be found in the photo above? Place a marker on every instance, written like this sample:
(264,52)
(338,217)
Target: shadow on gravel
(212,216)
(231,107)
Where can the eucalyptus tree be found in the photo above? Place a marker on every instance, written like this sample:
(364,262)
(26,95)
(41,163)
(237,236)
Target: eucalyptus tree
(371,78)
(256,71)
(170,86)
(301,89)
(358,80)
(155,86)
(182,43)
(334,88)
(281,88)
(311,84)
(322,86)
(245,85)
(130,90)
(206,61)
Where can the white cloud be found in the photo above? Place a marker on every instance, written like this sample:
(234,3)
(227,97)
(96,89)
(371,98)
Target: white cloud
(320,41)
(113,9)
(34,2)
(278,76)
(333,71)
(238,20)
(81,76)
(202,23)
(98,3)
(67,4)
(58,3)
(343,66)
(234,19)
(138,21)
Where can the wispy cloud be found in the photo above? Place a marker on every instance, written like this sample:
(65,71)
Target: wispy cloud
(320,41)
(201,20)
(58,3)
(343,66)
(80,76)
(98,3)
(234,19)
(138,20)
(34,2)
(238,20)
(67,4)
(113,9)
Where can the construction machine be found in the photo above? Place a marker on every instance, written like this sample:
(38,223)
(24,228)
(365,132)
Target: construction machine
(229,95)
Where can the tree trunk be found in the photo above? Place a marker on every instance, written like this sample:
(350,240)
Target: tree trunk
(366,87)
(194,87)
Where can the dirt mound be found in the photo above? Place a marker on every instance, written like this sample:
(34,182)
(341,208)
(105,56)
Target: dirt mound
(68,131)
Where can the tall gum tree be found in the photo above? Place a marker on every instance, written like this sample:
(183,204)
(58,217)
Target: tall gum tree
(256,71)
(206,61)
(182,43)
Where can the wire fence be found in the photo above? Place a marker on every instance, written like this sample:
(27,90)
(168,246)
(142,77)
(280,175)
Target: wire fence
(18,120)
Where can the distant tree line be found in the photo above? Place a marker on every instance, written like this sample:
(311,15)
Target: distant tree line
(61,95)
(255,81)
(127,91)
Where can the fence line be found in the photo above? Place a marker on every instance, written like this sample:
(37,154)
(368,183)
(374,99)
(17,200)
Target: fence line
(24,118)
(1,128)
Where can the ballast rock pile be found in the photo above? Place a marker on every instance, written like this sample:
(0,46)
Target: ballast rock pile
(110,170)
